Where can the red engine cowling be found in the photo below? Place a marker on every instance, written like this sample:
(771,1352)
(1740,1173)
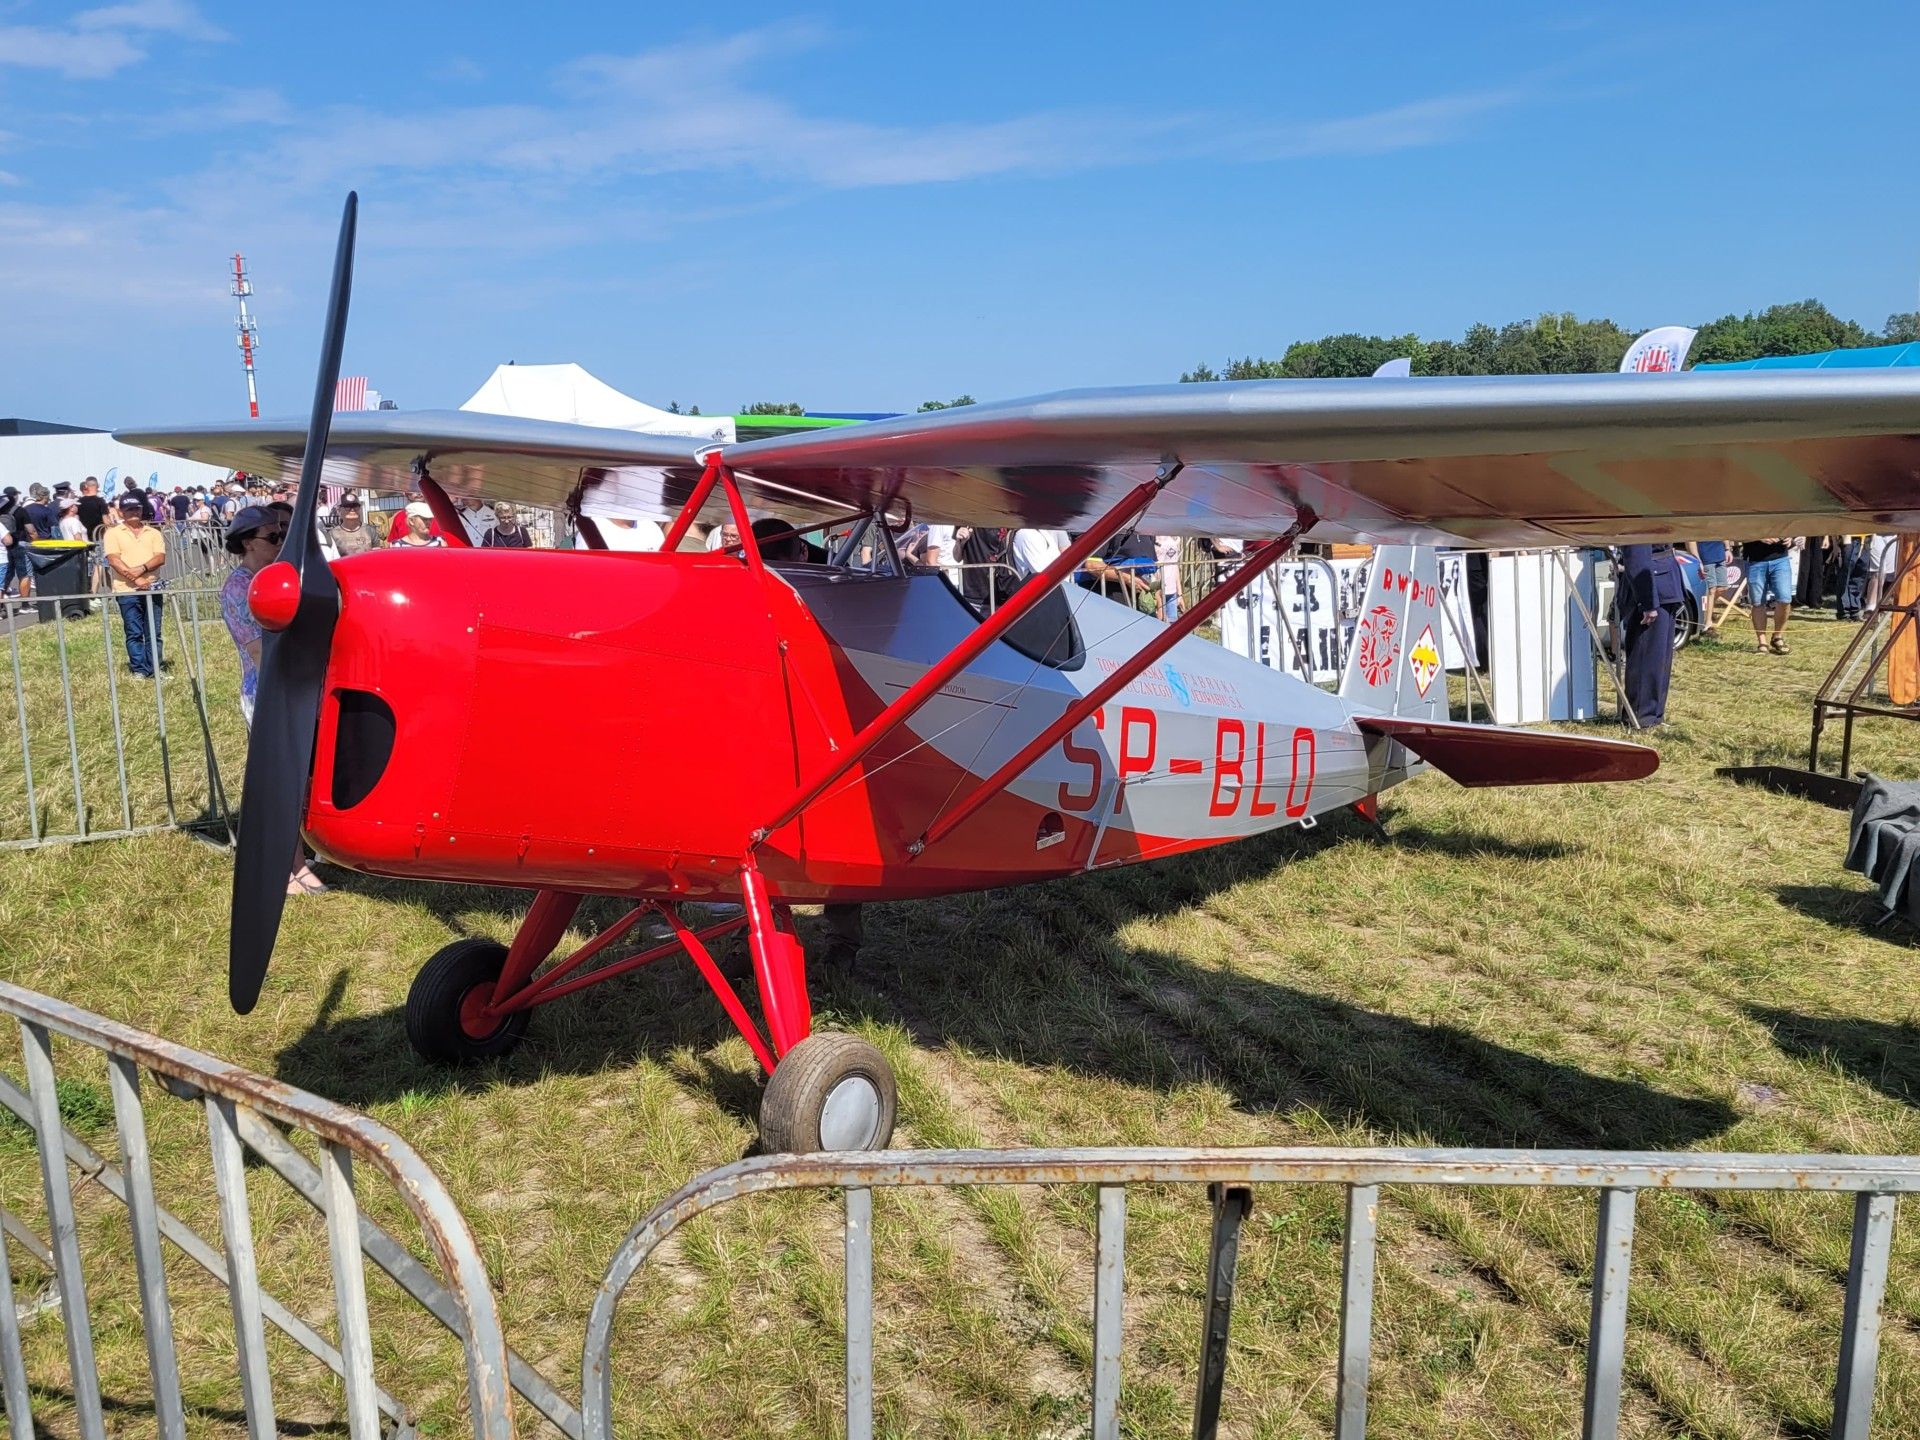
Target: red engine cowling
(584,721)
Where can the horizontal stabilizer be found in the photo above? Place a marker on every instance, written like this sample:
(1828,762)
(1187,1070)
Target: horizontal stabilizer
(1500,755)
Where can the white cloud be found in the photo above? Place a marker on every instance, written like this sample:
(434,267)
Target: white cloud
(698,108)
(76,54)
(622,149)
(1399,127)
(220,109)
(166,17)
(101,42)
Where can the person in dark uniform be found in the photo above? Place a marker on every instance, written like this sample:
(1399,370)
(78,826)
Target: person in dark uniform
(1651,597)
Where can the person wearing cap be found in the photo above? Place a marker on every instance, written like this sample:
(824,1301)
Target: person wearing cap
(397,531)
(71,526)
(256,535)
(419,533)
(350,535)
(134,552)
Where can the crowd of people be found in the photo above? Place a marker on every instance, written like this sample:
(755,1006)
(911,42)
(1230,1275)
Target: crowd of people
(88,513)
(200,517)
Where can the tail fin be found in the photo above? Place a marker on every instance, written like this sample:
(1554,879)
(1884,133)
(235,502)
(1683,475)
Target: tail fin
(1394,666)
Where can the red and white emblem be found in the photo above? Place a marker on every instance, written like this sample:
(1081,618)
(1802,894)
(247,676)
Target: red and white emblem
(1379,645)
(1424,660)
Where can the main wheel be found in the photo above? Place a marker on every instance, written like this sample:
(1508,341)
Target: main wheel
(830,1092)
(446,1022)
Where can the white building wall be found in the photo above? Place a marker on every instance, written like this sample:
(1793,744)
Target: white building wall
(49,459)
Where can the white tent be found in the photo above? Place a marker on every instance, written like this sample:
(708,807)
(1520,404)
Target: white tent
(566,392)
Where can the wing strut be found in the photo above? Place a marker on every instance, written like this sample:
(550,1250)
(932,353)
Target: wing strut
(684,520)
(1128,672)
(975,645)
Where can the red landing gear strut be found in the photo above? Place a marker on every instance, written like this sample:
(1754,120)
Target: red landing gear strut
(472,1001)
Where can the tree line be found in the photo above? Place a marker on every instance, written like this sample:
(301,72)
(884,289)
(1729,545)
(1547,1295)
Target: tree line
(1563,344)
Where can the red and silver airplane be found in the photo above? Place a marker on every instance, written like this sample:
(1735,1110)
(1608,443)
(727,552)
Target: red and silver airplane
(797,733)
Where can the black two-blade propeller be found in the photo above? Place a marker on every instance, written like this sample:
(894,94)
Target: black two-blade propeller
(293,668)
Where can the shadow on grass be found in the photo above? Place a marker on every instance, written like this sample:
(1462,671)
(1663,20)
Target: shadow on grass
(1473,844)
(113,1405)
(1845,908)
(1883,1053)
(452,904)
(1037,975)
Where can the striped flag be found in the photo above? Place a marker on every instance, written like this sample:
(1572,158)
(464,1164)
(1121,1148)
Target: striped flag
(350,393)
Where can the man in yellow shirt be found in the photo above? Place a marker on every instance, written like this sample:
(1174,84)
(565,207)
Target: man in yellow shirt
(135,551)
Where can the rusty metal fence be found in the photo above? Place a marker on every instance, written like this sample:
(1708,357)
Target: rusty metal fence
(1230,1176)
(250,1123)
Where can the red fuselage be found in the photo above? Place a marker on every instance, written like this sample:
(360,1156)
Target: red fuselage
(621,723)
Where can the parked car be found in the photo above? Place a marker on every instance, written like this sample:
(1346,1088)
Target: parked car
(1692,609)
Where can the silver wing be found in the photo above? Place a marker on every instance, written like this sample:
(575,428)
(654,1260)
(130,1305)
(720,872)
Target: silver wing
(498,457)
(1491,461)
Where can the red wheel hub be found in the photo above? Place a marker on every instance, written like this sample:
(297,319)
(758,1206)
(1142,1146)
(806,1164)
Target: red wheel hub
(475,1021)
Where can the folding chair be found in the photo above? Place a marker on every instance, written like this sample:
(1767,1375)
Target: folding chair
(1729,603)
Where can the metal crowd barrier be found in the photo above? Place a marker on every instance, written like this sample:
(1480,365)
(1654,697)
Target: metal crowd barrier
(245,1114)
(1230,1176)
(79,715)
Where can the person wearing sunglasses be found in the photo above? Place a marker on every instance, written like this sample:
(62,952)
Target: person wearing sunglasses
(256,535)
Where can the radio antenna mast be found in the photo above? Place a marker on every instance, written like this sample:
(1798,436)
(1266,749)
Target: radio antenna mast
(249,332)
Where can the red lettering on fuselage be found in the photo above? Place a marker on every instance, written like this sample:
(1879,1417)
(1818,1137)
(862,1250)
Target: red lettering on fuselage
(1134,718)
(1094,758)
(1302,735)
(1259,806)
(1225,766)
(1229,769)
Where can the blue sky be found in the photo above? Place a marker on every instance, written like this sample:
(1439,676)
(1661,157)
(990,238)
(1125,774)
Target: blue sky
(863,207)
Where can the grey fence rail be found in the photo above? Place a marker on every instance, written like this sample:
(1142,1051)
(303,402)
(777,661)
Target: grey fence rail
(99,753)
(1230,1175)
(246,1115)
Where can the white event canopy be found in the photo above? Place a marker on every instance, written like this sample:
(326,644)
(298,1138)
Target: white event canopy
(571,394)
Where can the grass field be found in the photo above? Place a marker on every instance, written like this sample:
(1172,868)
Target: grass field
(1674,964)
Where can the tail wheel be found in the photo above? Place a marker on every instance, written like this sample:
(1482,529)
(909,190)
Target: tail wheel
(830,1092)
(446,1008)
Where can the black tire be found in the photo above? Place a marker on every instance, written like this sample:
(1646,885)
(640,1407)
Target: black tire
(433,1005)
(792,1110)
(1686,624)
